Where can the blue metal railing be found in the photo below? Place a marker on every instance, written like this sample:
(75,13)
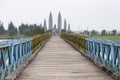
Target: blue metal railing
(104,53)
(107,52)
(12,54)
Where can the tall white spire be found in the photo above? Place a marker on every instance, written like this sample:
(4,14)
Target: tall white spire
(59,22)
(69,27)
(65,25)
(45,25)
(50,21)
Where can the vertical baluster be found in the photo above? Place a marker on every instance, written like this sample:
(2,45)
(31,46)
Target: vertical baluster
(8,66)
(26,49)
(30,48)
(101,53)
(93,52)
(2,76)
(17,54)
(20,52)
(88,49)
(4,63)
(109,53)
(112,56)
(119,60)
(96,51)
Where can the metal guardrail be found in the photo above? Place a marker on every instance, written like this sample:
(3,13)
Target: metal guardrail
(15,52)
(12,54)
(107,52)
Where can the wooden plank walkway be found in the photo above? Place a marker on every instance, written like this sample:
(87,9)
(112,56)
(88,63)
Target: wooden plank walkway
(60,61)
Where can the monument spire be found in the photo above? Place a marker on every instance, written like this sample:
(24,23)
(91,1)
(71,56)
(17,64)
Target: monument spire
(69,27)
(50,21)
(45,25)
(59,23)
(65,25)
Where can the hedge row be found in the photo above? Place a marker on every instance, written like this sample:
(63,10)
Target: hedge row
(77,40)
(38,40)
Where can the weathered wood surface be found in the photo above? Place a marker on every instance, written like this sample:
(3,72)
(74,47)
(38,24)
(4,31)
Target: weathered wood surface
(59,61)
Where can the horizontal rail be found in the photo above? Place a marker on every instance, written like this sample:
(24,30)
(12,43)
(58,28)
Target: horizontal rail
(12,54)
(104,53)
(15,52)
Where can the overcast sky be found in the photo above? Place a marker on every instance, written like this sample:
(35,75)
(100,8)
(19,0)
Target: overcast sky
(81,14)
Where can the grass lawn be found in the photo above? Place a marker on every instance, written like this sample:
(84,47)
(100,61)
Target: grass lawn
(8,37)
(4,36)
(20,36)
(107,37)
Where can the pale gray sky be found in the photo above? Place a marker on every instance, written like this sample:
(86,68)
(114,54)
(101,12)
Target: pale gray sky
(94,14)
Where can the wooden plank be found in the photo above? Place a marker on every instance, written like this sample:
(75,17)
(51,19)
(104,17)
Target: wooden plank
(60,61)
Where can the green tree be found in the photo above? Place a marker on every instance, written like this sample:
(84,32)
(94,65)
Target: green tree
(12,30)
(103,33)
(2,30)
(23,28)
(30,32)
(94,33)
(114,32)
(34,30)
(86,32)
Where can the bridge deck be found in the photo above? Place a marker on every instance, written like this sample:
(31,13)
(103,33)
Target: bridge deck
(59,61)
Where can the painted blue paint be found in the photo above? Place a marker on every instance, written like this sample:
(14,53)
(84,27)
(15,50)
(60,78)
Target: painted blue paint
(12,54)
(107,52)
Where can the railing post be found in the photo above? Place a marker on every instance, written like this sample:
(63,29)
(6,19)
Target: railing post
(102,53)
(119,60)
(4,66)
(87,49)
(15,52)
(113,57)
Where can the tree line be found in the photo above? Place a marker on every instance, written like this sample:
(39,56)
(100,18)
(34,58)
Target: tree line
(23,29)
(102,33)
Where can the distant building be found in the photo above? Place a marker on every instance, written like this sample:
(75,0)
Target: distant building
(86,33)
(50,21)
(59,23)
(109,32)
(55,29)
(68,27)
(45,25)
(118,32)
(65,25)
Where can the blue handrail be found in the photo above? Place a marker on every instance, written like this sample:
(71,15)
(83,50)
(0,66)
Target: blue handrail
(12,54)
(107,52)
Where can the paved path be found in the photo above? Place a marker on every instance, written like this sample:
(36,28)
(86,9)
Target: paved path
(59,61)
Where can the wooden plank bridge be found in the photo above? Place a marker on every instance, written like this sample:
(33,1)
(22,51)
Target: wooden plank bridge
(60,61)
